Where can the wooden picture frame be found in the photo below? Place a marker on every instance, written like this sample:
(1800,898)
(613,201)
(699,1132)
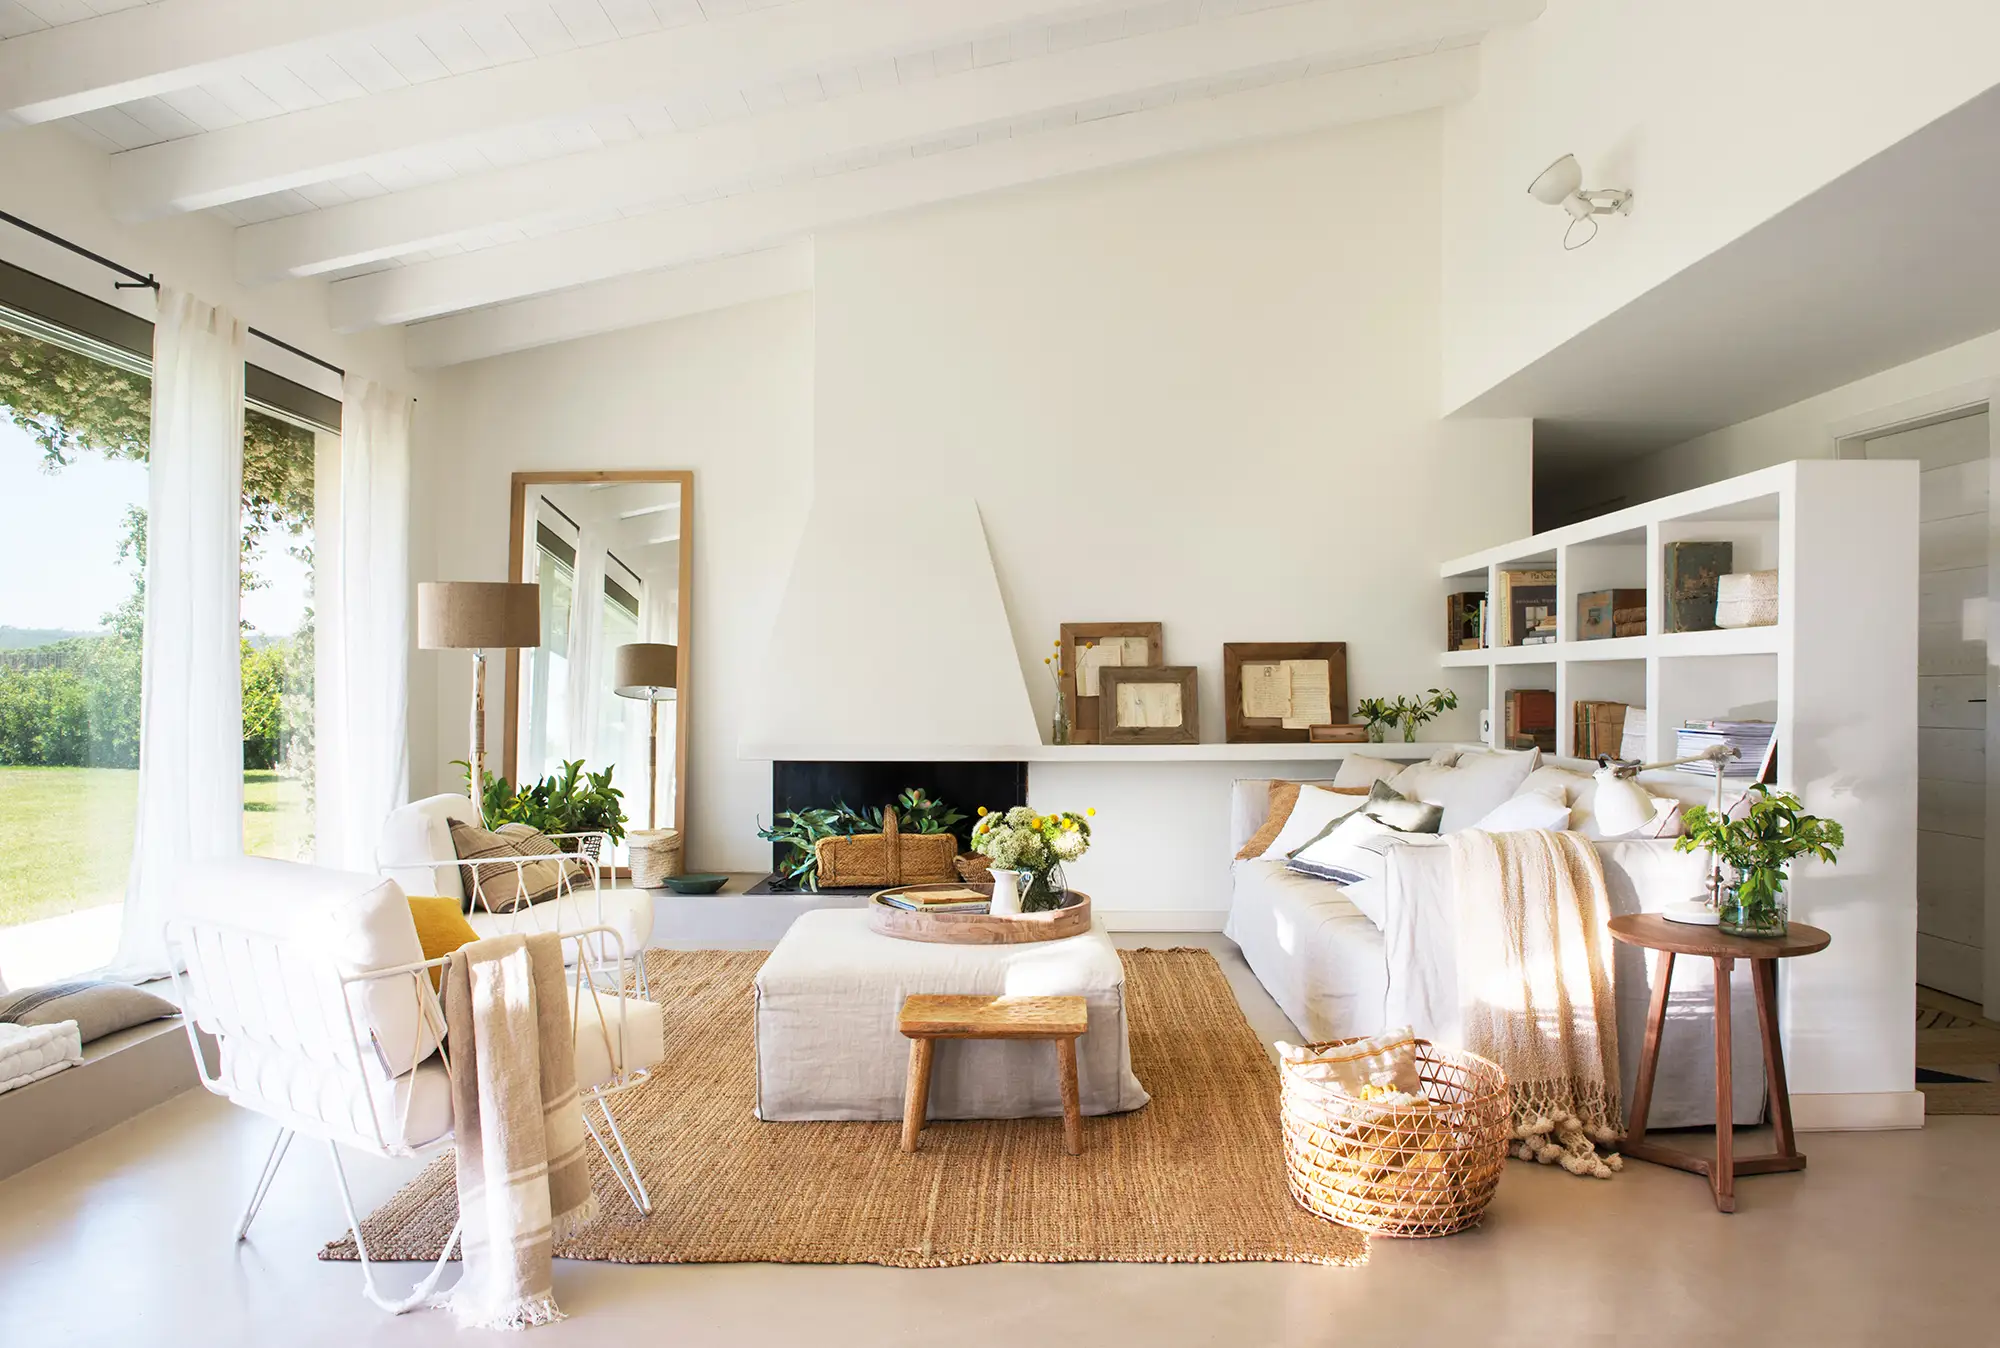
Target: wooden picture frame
(1240,727)
(1082,707)
(1113,728)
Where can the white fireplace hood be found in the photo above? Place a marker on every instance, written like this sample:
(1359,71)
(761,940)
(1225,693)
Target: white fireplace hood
(861,667)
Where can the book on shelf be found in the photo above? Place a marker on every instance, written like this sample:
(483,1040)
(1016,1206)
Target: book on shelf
(1526,598)
(1633,748)
(1529,719)
(1754,742)
(1599,729)
(1694,573)
(1464,619)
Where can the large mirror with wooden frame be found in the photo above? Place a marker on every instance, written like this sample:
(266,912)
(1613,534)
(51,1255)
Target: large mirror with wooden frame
(613,554)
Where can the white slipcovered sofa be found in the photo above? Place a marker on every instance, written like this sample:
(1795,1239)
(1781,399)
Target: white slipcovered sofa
(1337,975)
(417,854)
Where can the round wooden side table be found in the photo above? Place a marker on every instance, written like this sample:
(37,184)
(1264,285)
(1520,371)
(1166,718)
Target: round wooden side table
(1669,939)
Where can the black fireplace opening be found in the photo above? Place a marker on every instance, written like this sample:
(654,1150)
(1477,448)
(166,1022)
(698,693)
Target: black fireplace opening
(963,786)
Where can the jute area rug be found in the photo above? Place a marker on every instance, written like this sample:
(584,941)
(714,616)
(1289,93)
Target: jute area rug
(1197,1176)
(1958,1056)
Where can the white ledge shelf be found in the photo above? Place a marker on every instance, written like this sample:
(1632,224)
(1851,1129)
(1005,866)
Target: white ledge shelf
(1400,750)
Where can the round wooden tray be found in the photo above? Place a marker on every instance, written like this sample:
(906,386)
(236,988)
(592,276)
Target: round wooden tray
(1072,919)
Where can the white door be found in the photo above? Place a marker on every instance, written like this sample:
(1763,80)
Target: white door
(1951,681)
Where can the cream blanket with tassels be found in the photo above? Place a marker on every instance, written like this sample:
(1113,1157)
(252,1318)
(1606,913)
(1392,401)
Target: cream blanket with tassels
(523,1182)
(1535,988)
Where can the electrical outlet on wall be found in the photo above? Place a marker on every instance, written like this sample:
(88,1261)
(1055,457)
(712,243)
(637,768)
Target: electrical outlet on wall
(1486,725)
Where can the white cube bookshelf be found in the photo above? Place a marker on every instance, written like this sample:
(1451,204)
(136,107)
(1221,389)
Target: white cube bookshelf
(1838,677)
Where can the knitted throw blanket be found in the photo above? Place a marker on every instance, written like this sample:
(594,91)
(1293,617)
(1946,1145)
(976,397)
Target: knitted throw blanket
(518,1123)
(1535,988)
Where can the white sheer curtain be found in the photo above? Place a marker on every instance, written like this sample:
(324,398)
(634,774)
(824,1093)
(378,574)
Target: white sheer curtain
(191,703)
(363,755)
(586,638)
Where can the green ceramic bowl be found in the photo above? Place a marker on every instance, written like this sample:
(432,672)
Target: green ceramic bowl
(696,884)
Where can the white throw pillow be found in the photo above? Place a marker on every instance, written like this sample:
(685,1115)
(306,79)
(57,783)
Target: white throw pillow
(1316,808)
(1471,789)
(1354,854)
(1526,810)
(1580,790)
(1365,770)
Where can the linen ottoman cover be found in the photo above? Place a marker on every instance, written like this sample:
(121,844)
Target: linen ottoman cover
(827,1046)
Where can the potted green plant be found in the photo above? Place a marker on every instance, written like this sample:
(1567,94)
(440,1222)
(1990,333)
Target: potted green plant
(1422,710)
(1771,833)
(1380,715)
(571,801)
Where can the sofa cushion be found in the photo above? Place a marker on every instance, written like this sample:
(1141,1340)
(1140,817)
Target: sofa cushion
(597,1021)
(416,845)
(629,912)
(1471,787)
(1579,789)
(1315,810)
(507,881)
(1526,809)
(98,1008)
(1365,770)
(361,923)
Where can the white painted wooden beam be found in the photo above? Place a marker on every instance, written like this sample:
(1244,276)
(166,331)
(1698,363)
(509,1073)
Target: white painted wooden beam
(608,306)
(672,237)
(695,163)
(716,56)
(153,49)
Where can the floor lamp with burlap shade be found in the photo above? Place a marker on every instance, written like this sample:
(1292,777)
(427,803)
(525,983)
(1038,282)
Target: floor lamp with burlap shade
(479,616)
(650,670)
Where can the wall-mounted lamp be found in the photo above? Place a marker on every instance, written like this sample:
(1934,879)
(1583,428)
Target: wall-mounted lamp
(1561,184)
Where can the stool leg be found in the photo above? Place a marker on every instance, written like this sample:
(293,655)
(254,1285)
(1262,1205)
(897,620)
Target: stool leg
(1072,1104)
(1723,1177)
(917,1097)
(1649,1059)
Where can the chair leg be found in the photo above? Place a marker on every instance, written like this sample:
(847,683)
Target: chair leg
(272,1160)
(419,1295)
(627,1175)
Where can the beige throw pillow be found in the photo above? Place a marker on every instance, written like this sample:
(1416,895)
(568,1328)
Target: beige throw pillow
(502,890)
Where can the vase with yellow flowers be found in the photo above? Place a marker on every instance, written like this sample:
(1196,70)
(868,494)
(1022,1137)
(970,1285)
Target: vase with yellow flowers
(1027,849)
(1060,728)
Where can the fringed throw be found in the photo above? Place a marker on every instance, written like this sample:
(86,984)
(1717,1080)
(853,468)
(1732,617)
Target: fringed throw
(1535,988)
(522,1180)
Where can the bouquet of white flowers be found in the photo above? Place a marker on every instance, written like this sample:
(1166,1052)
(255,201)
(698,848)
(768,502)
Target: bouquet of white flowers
(1022,840)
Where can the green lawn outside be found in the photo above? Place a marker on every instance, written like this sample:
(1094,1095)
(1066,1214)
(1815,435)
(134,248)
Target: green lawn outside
(66,834)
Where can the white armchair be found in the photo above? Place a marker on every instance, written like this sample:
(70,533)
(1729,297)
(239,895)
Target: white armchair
(417,853)
(315,989)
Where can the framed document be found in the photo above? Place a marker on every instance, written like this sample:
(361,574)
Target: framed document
(1088,649)
(1275,692)
(1149,706)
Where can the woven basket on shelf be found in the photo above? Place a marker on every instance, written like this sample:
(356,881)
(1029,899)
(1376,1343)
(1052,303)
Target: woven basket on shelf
(886,859)
(1423,1171)
(656,855)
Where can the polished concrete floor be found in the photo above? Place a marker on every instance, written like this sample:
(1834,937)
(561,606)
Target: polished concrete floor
(1890,1238)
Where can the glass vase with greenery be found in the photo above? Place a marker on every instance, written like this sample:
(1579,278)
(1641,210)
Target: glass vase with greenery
(1771,833)
(1380,715)
(1422,710)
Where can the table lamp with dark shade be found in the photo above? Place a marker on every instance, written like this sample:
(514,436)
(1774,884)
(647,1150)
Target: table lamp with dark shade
(649,670)
(479,616)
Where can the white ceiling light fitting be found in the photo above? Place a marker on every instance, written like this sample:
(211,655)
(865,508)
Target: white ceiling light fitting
(1561,184)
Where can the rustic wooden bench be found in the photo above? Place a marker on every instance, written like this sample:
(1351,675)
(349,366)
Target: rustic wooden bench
(926,1018)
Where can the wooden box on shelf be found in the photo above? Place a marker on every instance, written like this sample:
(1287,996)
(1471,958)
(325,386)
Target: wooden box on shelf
(1338,734)
(1603,614)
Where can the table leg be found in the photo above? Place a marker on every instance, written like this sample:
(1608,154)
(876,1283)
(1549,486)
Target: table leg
(1072,1104)
(1649,1060)
(1766,980)
(917,1096)
(1723,1176)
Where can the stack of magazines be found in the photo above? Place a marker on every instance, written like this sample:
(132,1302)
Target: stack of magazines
(938,900)
(1750,739)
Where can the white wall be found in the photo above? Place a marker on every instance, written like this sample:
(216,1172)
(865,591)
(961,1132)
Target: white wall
(1804,430)
(1202,392)
(728,395)
(1716,113)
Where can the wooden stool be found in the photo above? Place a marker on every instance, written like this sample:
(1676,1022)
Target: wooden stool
(925,1019)
(1654,932)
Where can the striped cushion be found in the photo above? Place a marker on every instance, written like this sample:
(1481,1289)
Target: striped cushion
(499,889)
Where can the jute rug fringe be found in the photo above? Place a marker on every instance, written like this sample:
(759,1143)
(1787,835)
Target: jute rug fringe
(1198,1176)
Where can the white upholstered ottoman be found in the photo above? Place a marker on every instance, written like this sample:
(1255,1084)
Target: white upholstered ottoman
(827,1046)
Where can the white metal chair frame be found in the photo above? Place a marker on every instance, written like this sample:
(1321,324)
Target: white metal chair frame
(212,997)
(518,905)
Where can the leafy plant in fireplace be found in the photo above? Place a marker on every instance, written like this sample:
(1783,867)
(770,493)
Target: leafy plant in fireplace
(798,830)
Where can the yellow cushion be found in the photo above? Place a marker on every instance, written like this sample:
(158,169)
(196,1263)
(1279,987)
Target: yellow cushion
(441,928)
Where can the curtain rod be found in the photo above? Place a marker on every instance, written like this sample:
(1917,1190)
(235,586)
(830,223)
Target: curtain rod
(147,281)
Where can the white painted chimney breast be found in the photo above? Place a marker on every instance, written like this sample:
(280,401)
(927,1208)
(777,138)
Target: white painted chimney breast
(892,641)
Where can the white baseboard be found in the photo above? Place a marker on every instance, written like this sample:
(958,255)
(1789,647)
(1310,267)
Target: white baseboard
(1867,1111)
(1164,919)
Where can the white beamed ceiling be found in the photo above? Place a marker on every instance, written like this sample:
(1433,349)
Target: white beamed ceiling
(516,173)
